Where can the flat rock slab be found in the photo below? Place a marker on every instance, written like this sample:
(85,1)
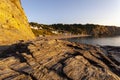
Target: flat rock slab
(45,59)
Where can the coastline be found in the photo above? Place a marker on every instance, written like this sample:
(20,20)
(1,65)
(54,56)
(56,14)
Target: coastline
(110,51)
(62,36)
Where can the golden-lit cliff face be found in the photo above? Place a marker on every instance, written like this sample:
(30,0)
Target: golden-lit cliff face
(13,22)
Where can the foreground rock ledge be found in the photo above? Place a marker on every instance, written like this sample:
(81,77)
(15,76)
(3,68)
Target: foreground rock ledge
(56,60)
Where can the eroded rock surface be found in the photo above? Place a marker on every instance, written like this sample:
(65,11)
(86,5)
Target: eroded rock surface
(56,60)
(14,25)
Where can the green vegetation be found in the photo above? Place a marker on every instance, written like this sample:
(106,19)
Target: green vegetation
(42,29)
(87,29)
(41,32)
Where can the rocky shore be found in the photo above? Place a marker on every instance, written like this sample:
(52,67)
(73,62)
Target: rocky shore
(52,59)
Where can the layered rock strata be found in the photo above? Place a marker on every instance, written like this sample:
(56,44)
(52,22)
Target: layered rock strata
(56,60)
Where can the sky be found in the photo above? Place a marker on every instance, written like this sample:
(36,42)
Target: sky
(104,12)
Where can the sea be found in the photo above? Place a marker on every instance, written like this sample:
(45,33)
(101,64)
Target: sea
(104,41)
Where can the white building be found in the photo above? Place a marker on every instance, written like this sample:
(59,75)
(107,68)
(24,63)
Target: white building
(35,27)
(55,32)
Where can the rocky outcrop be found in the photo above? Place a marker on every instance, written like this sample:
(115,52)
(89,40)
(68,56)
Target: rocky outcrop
(45,59)
(13,22)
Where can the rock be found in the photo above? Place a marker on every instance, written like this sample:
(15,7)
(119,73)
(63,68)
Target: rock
(113,53)
(14,25)
(56,60)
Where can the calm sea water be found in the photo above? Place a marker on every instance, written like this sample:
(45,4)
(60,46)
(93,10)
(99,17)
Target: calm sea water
(111,41)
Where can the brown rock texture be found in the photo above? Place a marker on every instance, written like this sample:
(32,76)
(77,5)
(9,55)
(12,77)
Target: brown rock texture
(13,22)
(45,59)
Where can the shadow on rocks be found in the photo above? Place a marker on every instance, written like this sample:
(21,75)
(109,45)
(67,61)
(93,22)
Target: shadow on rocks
(15,50)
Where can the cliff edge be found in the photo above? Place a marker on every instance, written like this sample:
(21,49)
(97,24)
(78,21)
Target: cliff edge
(14,25)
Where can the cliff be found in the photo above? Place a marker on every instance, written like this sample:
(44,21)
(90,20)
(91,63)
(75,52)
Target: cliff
(14,25)
(45,59)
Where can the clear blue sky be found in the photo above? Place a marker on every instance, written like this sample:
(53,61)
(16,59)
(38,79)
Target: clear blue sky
(105,12)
